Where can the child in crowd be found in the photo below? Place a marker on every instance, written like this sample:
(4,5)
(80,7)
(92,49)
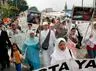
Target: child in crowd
(16,56)
(61,52)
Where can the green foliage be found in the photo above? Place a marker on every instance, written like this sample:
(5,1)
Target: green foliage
(13,7)
(8,10)
(34,9)
(20,4)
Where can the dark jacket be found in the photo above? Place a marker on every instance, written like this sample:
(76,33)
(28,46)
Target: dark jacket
(4,41)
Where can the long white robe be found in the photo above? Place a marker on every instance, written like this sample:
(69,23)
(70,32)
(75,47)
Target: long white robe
(47,53)
(23,22)
(18,38)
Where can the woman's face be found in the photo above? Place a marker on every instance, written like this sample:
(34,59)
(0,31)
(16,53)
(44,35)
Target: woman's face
(62,45)
(14,26)
(73,32)
(29,26)
(31,35)
(14,47)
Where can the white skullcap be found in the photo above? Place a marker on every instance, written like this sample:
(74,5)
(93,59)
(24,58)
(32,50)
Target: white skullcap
(45,23)
(94,22)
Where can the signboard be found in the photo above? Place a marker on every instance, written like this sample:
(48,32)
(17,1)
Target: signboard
(72,65)
(82,13)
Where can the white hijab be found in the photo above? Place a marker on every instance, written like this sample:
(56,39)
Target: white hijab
(58,54)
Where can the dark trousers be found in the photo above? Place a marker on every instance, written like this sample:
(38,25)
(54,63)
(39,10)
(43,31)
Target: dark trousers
(91,53)
(4,58)
(18,67)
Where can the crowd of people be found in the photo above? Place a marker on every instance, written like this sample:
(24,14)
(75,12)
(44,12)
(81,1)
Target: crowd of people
(43,46)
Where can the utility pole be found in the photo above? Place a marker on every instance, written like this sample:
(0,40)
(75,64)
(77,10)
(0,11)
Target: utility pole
(82,3)
(94,6)
(95,3)
(16,3)
(16,6)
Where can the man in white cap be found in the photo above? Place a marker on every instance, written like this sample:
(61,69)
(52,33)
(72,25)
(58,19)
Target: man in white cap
(47,41)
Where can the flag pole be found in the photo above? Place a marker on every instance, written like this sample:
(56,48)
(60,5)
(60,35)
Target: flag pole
(90,24)
(40,29)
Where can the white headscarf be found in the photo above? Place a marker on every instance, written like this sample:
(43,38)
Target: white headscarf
(58,54)
(57,43)
(28,34)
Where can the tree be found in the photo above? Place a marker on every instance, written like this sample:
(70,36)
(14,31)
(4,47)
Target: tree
(34,9)
(65,6)
(13,7)
(8,10)
(20,4)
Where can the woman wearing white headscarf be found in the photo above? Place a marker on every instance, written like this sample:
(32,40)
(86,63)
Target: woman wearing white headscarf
(61,52)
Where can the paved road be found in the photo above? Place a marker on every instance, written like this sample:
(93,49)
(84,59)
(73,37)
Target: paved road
(12,65)
(12,68)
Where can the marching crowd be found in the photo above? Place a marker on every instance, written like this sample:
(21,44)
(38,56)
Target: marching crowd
(43,46)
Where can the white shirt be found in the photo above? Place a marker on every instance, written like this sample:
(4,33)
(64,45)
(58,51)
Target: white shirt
(44,35)
(51,40)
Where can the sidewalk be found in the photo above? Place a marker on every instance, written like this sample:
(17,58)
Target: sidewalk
(12,68)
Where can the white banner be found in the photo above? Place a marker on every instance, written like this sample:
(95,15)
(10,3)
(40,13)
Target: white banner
(72,65)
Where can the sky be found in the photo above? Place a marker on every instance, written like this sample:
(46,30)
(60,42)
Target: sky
(58,5)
